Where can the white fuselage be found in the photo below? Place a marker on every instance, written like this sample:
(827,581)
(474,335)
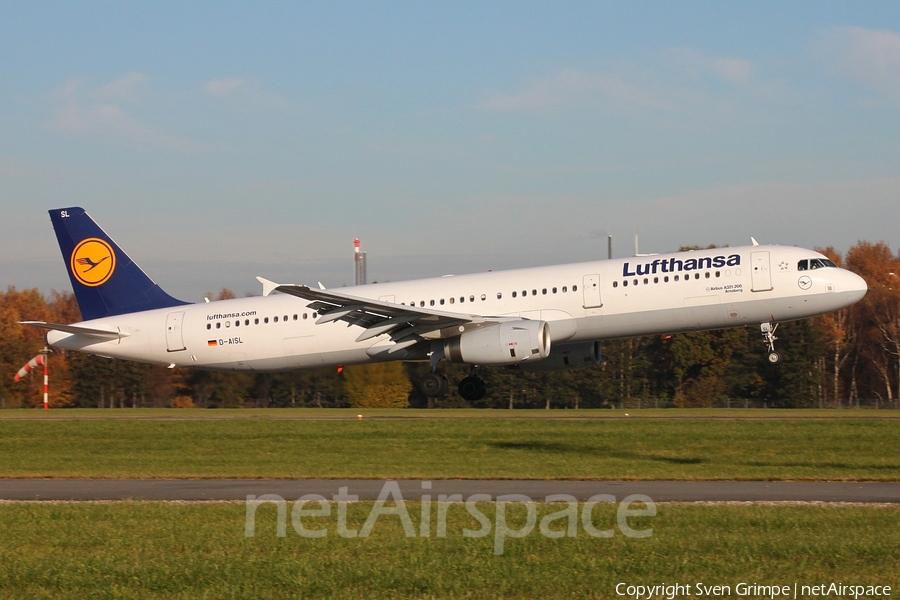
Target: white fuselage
(704,289)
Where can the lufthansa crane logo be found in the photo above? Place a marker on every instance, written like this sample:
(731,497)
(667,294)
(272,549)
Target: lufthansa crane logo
(93,262)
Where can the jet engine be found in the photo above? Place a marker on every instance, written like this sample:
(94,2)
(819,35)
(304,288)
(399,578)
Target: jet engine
(568,356)
(506,343)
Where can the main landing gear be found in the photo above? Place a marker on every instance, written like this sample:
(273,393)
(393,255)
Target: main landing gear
(434,384)
(768,333)
(472,388)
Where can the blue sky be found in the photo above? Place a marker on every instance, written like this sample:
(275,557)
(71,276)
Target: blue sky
(219,141)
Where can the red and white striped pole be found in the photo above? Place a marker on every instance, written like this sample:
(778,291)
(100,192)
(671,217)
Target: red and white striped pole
(46,356)
(39,360)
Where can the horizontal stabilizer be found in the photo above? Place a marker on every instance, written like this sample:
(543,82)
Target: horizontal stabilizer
(100,334)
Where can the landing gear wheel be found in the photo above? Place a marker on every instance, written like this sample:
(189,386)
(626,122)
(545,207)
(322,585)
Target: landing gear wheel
(768,333)
(471,389)
(433,384)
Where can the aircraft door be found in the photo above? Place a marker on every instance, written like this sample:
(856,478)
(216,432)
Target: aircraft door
(591,289)
(760,276)
(174,337)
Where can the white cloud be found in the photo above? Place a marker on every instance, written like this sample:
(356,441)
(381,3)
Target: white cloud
(734,71)
(571,87)
(224,87)
(78,109)
(246,92)
(124,89)
(867,56)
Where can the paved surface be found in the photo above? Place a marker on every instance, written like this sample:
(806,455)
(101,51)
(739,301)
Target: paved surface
(233,489)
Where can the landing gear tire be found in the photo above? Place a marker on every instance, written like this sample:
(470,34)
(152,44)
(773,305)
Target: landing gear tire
(471,389)
(768,333)
(433,384)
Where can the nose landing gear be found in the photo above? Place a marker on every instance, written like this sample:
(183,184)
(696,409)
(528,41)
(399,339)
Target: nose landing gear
(768,333)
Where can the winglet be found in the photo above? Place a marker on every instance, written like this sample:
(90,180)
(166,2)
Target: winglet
(753,239)
(268,286)
(321,287)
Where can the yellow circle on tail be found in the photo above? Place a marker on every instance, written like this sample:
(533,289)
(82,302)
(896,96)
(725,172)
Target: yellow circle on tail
(93,262)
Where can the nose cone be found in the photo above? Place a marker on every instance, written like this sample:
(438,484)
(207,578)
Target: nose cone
(854,287)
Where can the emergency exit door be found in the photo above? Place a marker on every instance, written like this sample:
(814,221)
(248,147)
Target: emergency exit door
(760,275)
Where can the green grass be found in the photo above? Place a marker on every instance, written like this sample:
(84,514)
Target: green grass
(437,413)
(327,444)
(180,551)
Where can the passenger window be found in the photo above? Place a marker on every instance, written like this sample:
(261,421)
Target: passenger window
(534,292)
(625,283)
(544,291)
(483,297)
(646,281)
(615,284)
(218,326)
(256,321)
(564,289)
(422,304)
(275,319)
(696,275)
(431,303)
(295,317)
(209,325)
(676,278)
(442,301)
(499,295)
(237,323)
(554,290)
(574,288)
(452,300)
(266,320)
(304,315)
(514,294)
(706,274)
(803,265)
(471,298)
(462,298)
(718,274)
(524,292)
(666,279)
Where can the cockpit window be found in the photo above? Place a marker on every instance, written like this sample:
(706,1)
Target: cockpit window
(817,263)
(814,263)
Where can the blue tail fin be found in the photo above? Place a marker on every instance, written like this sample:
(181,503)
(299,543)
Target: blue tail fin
(105,280)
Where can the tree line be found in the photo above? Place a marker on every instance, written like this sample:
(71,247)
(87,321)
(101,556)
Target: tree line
(850,358)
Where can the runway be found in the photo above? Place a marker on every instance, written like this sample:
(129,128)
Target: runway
(369,489)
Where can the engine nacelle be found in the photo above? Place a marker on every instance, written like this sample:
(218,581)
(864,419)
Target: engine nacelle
(510,342)
(568,356)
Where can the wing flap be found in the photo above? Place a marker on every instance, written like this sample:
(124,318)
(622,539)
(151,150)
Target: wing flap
(406,325)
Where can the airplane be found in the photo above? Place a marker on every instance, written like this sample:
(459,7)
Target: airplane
(544,318)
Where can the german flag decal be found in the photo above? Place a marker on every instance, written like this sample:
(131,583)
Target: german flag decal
(212,343)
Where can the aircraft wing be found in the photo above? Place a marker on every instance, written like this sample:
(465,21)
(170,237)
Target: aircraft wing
(406,325)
